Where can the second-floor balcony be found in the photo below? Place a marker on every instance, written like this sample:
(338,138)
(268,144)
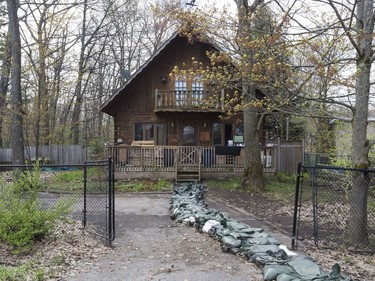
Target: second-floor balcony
(212,101)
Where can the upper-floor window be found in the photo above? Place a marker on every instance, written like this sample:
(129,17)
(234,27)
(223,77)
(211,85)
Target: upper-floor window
(180,89)
(189,92)
(197,91)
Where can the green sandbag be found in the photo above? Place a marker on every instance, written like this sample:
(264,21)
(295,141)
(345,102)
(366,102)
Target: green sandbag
(287,277)
(235,225)
(229,242)
(306,267)
(270,272)
(262,249)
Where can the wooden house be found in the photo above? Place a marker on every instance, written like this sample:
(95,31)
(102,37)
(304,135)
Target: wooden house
(166,109)
(161,125)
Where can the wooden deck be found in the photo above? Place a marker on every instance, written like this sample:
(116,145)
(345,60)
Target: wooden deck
(147,160)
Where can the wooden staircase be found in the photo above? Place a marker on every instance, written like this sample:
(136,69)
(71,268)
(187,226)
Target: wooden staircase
(188,165)
(188,173)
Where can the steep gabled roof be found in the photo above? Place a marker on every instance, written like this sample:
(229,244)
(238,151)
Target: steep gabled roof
(139,70)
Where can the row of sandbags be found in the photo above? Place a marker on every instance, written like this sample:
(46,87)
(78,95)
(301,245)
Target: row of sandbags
(276,261)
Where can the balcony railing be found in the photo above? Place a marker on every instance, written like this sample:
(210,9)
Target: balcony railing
(189,100)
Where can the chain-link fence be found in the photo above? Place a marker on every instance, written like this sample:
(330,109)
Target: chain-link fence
(99,204)
(335,207)
(83,193)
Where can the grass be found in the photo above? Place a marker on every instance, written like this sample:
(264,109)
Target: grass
(143,185)
(279,186)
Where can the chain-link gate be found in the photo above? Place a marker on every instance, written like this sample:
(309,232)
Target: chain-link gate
(89,188)
(335,207)
(99,199)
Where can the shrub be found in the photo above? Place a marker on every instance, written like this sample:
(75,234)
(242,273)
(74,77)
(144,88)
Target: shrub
(23,220)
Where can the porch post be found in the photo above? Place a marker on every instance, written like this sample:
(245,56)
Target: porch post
(156,99)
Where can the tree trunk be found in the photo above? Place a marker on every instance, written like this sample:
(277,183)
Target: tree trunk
(253,170)
(42,118)
(78,89)
(16,133)
(360,145)
(4,81)
(360,148)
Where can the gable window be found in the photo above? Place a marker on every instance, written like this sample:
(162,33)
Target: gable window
(180,90)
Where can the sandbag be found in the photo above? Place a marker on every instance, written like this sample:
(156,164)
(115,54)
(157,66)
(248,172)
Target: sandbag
(277,261)
(270,272)
(306,267)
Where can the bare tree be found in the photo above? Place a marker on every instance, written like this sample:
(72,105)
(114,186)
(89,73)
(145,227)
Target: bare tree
(4,81)
(90,32)
(17,130)
(253,173)
(45,25)
(353,22)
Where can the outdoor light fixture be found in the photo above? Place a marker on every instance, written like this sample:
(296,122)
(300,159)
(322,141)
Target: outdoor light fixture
(164,80)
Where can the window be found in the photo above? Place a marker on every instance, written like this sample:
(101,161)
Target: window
(197,91)
(223,133)
(188,93)
(217,133)
(180,89)
(188,135)
(239,133)
(148,131)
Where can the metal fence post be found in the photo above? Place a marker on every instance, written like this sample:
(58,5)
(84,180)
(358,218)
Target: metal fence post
(111,202)
(296,207)
(84,221)
(314,189)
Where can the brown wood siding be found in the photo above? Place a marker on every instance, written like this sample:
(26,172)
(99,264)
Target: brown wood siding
(136,102)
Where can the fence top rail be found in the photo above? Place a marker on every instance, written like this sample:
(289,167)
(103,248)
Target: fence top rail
(91,163)
(120,146)
(326,167)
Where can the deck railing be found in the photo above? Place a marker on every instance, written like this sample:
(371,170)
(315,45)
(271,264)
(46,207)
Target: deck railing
(202,100)
(164,158)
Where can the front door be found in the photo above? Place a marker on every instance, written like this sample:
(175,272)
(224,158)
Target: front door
(188,135)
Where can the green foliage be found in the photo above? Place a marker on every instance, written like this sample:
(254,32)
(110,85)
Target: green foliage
(231,184)
(14,273)
(28,271)
(23,219)
(280,186)
(341,162)
(69,176)
(163,184)
(284,177)
(143,185)
(65,181)
(96,149)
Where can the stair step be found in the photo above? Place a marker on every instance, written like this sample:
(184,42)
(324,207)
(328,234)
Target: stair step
(188,173)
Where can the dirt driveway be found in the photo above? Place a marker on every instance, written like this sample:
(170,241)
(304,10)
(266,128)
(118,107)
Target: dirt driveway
(150,246)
